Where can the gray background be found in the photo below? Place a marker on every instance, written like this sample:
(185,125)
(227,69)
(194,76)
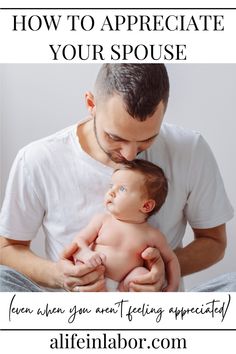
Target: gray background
(37,100)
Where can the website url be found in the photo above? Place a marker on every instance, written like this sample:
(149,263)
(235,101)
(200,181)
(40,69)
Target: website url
(115,341)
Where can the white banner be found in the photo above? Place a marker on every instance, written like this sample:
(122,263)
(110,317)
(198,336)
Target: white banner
(117,321)
(97,35)
(118,310)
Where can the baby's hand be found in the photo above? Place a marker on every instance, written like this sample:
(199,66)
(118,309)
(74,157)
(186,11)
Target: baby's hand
(91,258)
(95,259)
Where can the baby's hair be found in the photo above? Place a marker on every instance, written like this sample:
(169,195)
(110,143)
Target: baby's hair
(155,181)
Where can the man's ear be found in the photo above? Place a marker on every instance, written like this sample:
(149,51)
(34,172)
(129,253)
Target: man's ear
(148,206)
(90,102)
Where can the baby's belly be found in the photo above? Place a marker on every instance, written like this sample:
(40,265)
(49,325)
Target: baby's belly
(119,262)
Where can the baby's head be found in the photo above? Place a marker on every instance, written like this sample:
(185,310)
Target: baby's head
(139,188)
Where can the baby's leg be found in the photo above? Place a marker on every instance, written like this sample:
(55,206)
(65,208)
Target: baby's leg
(131,276)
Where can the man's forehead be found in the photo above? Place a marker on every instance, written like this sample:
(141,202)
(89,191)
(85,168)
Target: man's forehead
(117,122)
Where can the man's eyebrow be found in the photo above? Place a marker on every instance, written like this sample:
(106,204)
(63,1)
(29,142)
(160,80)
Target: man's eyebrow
(116,137)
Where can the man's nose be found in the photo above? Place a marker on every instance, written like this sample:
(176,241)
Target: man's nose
(129,151)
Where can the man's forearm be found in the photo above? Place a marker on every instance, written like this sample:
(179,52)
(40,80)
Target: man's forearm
(22,259)
(203,252)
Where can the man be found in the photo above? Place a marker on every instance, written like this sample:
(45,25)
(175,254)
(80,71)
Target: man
(59,182)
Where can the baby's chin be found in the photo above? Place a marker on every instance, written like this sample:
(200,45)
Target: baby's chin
(112,210)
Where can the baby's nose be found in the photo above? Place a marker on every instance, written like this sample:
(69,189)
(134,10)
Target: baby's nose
(112,193)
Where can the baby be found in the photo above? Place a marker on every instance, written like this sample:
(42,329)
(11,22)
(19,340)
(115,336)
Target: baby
(118,238)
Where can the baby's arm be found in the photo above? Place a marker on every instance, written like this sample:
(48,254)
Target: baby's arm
(85,238)
(170,260)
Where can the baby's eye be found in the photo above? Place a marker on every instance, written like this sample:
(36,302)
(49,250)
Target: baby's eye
(122,189)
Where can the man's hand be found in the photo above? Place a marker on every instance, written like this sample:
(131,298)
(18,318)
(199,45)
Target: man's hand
(153,280)
(80,277)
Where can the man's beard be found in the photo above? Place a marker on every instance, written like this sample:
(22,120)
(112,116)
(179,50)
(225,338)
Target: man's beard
(112,156)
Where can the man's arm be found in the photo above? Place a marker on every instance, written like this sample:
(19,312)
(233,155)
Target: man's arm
(17,255)
(207,249)
(62,274)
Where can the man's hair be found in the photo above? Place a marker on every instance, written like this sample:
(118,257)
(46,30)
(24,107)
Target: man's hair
(141,86)
(155,181)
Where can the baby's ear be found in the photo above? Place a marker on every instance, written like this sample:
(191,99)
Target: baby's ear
(148,206)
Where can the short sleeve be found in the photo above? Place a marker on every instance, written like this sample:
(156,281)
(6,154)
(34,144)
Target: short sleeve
(22,212)
(207,203)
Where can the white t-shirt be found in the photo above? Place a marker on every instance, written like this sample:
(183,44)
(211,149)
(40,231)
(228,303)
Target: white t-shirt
(54,183)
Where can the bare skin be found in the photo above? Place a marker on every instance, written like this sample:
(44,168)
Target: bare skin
(118,238)
(125,141)
(118,134)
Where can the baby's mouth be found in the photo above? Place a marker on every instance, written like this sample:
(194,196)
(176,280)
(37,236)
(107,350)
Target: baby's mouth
(108,201)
